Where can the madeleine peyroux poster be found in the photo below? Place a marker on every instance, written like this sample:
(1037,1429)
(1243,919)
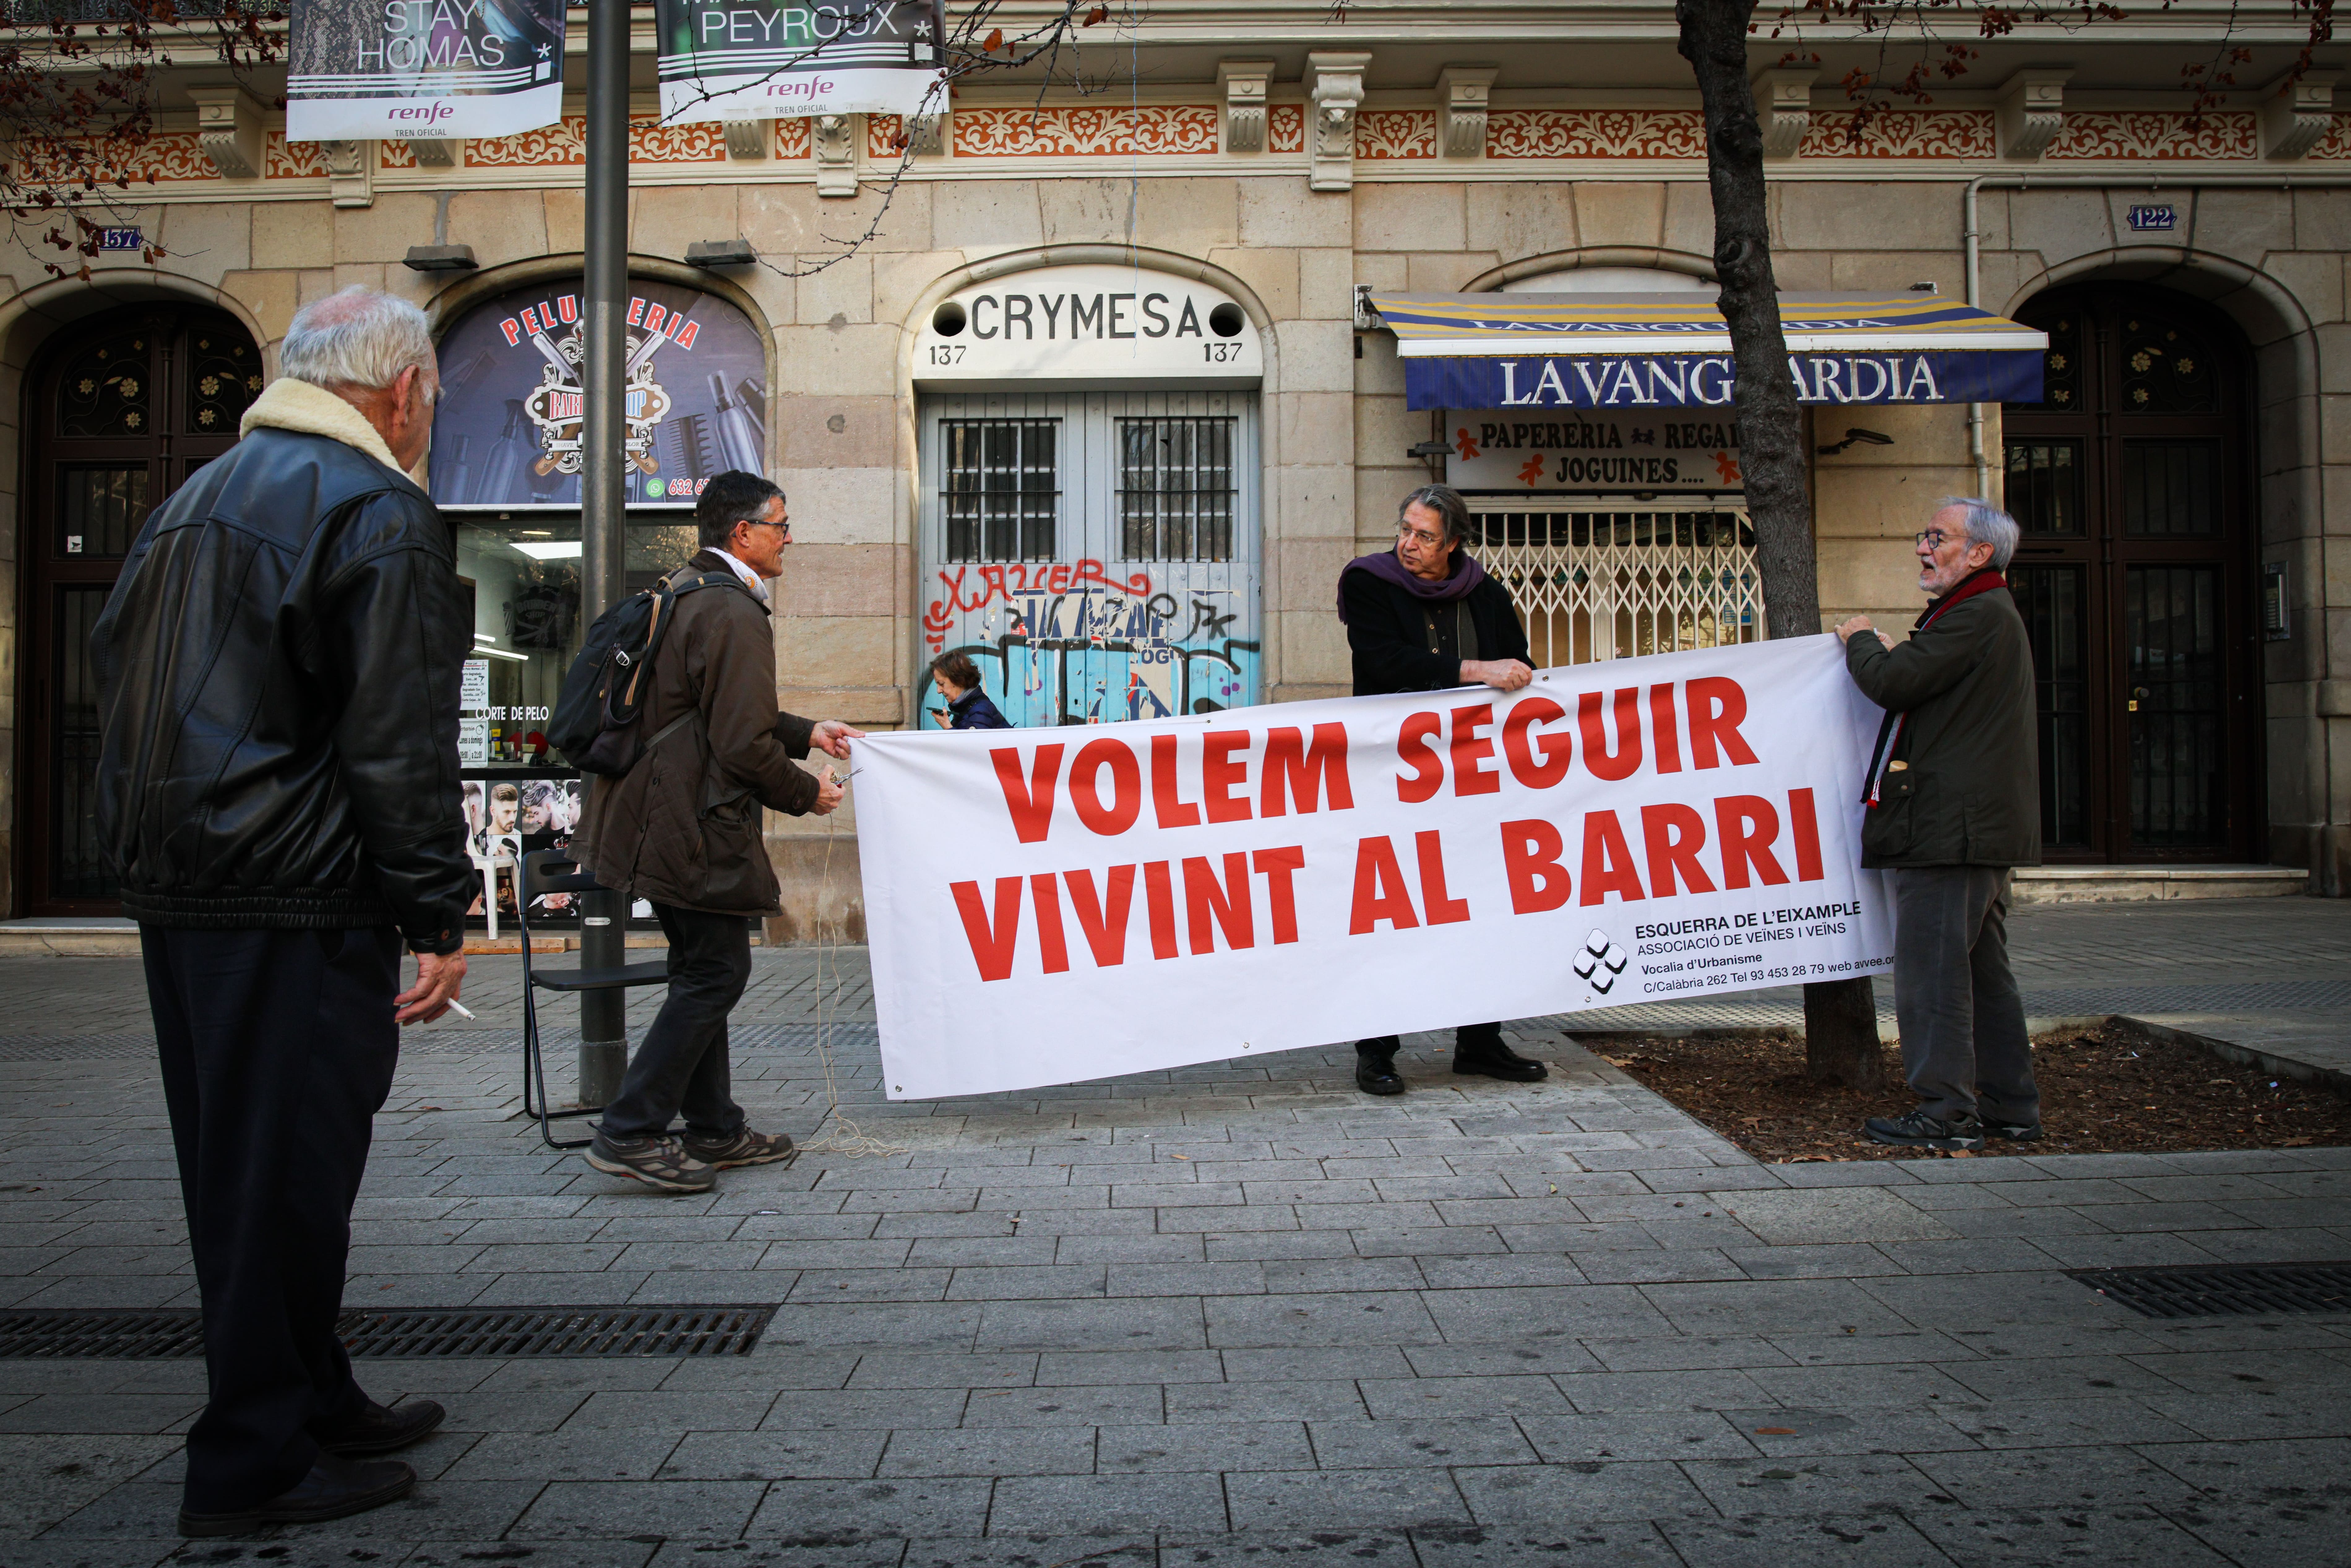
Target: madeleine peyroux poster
(401,68)
(725,59)
(508,433)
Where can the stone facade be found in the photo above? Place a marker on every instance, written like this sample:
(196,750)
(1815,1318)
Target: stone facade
(1559,183)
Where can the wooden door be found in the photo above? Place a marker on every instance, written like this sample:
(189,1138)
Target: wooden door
(2133,481)
(123,408)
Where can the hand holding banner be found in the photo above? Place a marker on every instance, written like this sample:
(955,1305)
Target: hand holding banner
(1083,902)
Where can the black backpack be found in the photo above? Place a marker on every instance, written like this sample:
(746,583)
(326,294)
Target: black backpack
(595,723)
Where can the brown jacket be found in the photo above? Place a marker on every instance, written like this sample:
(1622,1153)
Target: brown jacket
(682,827)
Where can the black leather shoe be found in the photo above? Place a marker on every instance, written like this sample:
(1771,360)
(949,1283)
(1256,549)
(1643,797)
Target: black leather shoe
(334,1489)
(1495,1059)
(380,1430)
(1377,1075)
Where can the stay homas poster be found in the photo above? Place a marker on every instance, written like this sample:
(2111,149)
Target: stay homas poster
(1051,905)
(777,59)
(403,69)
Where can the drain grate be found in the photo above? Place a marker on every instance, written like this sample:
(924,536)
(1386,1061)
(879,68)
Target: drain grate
(404,1332)
(554,1331)
(2190,1290)
(73,1335)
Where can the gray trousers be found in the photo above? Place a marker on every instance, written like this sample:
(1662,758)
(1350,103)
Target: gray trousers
(1963,1042)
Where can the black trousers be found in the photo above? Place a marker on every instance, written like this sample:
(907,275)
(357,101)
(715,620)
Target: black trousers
(1475,1039)
(278,1050)
(682,1065)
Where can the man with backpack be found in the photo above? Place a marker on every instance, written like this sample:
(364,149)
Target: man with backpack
(681,828)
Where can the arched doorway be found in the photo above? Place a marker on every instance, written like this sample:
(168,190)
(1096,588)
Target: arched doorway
(2134,481)
(121,409)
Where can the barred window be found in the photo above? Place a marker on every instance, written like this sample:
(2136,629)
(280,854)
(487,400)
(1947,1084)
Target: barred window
(1001,487)
(1176,488)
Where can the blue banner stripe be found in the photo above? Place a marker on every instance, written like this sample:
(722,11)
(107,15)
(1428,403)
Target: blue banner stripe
(1706,380)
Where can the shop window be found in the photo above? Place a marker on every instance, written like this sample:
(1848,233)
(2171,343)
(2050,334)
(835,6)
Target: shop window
(1176,488)
(1001,485)
(1593,585)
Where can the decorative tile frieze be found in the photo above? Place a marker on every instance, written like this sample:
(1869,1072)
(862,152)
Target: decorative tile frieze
(792,139)
(651,142)
(1924,133)
(404,155)
(283,160)
(164,156)
(1285,127)
(1595,133)
(1147,130)
(565,144)
(1396,133)
(562,145)
(889,137)
(2157,135)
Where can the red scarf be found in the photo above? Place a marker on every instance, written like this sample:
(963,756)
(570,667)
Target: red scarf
(1889,731)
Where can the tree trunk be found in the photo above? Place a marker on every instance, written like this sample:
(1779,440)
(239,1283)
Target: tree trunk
(1840,1016)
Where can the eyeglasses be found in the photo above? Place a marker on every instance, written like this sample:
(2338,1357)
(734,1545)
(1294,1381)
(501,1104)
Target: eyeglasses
(1406,531)
(1935,538)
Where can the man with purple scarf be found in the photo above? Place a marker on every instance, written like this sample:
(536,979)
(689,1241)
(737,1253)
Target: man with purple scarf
(1423,617)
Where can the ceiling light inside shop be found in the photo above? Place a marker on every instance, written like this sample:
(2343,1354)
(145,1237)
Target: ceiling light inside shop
(552,549)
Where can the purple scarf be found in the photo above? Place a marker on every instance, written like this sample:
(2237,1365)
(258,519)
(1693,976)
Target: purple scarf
(1465,575)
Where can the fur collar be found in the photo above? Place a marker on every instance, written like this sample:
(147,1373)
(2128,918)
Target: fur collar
(309,410)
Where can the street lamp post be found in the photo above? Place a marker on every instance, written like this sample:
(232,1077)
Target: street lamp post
(603,945)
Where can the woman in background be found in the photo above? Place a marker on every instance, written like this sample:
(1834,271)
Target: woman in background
(957,679)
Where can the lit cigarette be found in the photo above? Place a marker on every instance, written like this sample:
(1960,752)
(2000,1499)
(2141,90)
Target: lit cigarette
(460,1008)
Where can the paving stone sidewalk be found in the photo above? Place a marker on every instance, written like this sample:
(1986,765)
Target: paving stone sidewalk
(1237,1313)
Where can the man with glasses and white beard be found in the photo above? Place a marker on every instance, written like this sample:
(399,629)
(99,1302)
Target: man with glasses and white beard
(1954,804)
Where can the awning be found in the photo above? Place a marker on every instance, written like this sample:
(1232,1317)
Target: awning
(1673,351)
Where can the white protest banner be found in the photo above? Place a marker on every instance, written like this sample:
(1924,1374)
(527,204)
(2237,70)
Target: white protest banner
(401,69)
(1051,905)
(782,59)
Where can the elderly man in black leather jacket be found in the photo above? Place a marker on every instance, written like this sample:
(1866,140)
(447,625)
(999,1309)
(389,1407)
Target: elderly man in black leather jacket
(278,669)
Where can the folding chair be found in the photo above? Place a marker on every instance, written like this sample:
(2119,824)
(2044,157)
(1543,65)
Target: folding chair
(545,872)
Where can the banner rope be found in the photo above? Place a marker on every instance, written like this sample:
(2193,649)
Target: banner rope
(846,1137)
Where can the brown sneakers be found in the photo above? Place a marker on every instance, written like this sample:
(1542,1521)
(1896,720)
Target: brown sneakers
(662,1164)
(743,1147)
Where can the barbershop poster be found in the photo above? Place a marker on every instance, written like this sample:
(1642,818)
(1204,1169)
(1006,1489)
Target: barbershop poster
(769,59)
(424,69)
(508,429)
(1052,905)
